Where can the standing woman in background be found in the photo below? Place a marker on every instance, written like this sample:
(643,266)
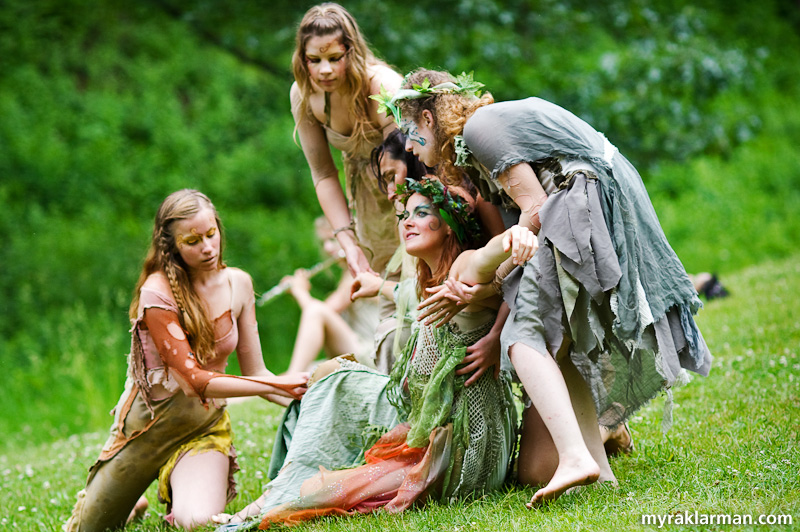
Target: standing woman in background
(335,74)
(189,313)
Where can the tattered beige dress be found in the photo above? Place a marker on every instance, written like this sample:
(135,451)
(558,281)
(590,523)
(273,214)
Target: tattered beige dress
(151,432)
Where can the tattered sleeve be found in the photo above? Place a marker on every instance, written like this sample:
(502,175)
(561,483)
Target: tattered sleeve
(175,352)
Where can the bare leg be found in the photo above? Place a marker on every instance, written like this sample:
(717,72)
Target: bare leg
(320,328)
(139,510)
(199,488)
(586,415)
(544,383)
(538,457)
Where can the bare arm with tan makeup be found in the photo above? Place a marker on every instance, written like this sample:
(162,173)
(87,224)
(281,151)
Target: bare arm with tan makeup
(326,183)
(248,349)
(522,186)
(478,266)
(195,381)
(177,355)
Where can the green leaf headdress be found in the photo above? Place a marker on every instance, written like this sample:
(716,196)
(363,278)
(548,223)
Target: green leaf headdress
(454,210)
(463,85)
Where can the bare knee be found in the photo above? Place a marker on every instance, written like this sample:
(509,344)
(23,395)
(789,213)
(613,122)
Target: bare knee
(316,310)
(535,472)
(538,456)
(323,370)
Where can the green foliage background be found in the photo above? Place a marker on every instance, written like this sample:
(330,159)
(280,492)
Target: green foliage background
(107,107)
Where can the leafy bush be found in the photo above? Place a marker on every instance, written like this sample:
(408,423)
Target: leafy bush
(105,108)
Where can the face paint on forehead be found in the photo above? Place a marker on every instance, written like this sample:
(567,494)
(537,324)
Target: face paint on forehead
(195,235)
(426,209)
(410,130)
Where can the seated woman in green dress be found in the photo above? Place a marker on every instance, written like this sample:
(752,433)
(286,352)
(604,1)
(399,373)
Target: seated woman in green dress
(446,440)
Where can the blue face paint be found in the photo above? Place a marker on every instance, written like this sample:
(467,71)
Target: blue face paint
(411,131)
(421,212)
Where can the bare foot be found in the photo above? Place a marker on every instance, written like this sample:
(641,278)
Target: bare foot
(252,509)
(601,482)
(568,474)
(618,441)
(139,510)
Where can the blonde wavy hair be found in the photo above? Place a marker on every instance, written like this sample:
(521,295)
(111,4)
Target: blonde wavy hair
(332,19)
(450,113)
(163,256)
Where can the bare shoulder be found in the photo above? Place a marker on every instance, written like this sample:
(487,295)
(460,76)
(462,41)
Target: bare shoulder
(241,279)
(242,287)
(295,97)
(157,281)
(382,75)
(294,93)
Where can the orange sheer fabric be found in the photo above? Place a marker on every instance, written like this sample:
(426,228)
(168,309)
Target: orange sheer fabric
(394,477)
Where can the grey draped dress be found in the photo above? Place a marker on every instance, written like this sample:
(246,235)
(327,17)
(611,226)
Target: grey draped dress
(605,279)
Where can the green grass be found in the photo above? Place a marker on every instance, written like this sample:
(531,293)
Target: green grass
(733,448)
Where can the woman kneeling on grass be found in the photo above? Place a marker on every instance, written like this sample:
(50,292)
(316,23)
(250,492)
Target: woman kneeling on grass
(169,424)
(448,440)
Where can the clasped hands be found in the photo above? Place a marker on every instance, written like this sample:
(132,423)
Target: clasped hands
(449,299)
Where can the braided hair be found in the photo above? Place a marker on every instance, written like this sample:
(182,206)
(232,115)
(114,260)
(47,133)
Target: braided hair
(163,256)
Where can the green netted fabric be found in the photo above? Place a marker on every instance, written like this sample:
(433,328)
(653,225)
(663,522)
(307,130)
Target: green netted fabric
(425,390)
(339,413)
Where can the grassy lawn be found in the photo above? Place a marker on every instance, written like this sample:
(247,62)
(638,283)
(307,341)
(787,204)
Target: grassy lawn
(733,448)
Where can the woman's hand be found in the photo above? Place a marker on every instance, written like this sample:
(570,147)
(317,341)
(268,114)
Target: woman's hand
(293,385)
(365,284)
(299,283)
(440,307)
(521,242)
(481,356)
(356,260)
(470,293)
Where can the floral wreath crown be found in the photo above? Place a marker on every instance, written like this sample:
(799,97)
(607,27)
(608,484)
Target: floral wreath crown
(464,85)
(454,210)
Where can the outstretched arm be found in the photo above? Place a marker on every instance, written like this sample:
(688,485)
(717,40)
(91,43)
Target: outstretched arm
(479,266)
(326,183)
(177,355)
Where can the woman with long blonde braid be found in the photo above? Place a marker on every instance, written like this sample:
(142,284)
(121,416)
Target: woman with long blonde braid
(170,423)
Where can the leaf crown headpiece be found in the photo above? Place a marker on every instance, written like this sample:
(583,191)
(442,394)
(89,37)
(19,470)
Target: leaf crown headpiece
(464,85)
(454,210)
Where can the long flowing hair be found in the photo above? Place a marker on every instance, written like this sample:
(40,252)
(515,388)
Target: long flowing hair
(450,113)
(332,19)
(163,256)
